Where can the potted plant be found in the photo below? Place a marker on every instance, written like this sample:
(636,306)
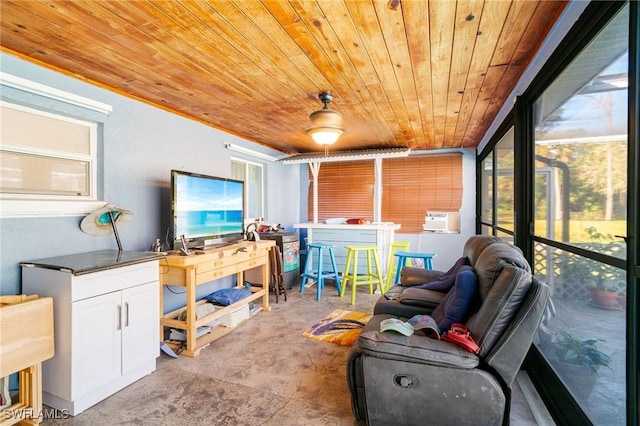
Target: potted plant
(577,361)
(604,292)
(604,297)
(622,299)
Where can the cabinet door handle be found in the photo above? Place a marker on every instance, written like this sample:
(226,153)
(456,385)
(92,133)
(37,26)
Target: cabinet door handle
(126,314)
(119,317)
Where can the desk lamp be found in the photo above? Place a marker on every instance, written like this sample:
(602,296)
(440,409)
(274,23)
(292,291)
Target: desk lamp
(103,221)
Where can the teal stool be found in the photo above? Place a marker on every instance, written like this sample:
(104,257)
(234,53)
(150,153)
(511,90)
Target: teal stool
(319,275)
(371,252)
(427,259)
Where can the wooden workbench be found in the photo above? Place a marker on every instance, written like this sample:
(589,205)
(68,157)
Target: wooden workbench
(195,269)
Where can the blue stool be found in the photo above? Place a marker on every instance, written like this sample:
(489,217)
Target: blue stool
(319,275)
(427,259)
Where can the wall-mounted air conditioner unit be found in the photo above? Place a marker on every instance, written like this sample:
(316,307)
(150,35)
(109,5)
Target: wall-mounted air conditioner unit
(442,222)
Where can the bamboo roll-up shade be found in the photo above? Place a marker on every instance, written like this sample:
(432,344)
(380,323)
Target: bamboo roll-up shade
(412,186)
(345,190)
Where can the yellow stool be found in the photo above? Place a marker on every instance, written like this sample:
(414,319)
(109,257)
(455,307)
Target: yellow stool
(391,269)
(368,278)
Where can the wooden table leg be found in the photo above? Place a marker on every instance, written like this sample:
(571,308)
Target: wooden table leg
(265,287)
(161,307)
(191,311)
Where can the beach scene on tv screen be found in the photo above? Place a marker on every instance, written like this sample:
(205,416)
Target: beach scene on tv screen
(208,207)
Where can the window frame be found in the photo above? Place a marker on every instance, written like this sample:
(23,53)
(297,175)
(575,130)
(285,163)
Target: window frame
(490,152)
(247,189)
(561,405)
(18,205)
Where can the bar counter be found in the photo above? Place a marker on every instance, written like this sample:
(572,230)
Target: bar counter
(340,235)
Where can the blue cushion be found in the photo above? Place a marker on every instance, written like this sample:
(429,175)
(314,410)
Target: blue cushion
(459,302)
(445,281)
(227,296)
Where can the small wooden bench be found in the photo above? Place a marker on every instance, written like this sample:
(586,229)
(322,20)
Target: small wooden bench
(26,339)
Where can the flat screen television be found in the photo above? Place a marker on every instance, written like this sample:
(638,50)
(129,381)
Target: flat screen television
(207,210)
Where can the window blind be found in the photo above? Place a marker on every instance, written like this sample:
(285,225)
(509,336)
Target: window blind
(411,186)
(345,189)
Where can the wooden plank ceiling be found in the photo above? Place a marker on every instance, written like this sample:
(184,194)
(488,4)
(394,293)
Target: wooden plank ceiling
(419,74)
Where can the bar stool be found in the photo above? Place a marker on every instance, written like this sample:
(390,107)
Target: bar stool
(391,269)
(368,278)
(319,275)
(427,259)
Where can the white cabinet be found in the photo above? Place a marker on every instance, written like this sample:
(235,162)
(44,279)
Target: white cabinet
(140,342)
(106,330)
(97,342)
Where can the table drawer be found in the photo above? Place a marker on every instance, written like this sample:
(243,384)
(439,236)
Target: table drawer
(214,274)
(222,262)
(252,263)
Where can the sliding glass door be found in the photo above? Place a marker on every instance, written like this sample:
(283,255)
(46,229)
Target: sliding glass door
(572,146)
(580,221)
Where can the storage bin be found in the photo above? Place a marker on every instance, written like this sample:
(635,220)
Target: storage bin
(236,317)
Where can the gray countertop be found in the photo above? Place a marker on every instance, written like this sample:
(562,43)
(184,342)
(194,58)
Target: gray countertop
(85,263)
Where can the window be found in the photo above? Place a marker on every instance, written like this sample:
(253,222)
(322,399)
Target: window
(505,182)
(486,193)
(48,163)
(345,189)
(412,186)
(497,188)
(252,175)
(576,158)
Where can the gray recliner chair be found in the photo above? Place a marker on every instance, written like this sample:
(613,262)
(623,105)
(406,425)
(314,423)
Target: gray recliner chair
(418,380)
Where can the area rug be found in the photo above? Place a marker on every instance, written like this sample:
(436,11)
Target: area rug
(340,327)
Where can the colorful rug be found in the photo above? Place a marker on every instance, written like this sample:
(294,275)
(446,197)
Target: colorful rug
(339,327)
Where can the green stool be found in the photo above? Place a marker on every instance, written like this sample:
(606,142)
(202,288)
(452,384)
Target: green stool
(391,269)
(371,252)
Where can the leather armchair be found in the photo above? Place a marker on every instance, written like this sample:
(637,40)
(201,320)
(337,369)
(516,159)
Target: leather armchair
(417,380)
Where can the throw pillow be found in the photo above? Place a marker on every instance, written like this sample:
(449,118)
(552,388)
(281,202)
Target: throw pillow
(459,302)
(227,296)
(445,281)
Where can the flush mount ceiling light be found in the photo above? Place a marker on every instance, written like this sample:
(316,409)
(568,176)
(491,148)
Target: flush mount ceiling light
(326,124)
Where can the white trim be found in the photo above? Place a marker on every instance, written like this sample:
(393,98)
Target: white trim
(46,208)
(91,158)
(583,139)
(367,154)
(251,152)
(377,193)
(52,93)
(247,191)
(534,402)
(435,152)
(315,171)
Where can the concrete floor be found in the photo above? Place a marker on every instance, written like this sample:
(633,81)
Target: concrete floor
(263,373)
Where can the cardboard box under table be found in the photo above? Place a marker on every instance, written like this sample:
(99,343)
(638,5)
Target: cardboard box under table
(234,318)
